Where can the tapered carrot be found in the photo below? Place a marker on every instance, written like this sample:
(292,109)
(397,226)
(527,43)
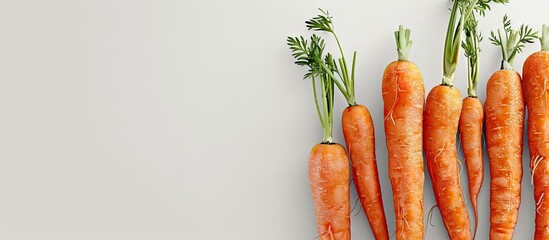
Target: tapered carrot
(358,130)
(470,128)
(536,79)
(328,162)
(472,117)
(403,99)
(504,130)
(441,117)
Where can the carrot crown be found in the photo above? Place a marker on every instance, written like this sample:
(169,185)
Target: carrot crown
(512,42)
(471,47)
(402,37)
(337,69)
(310,54)
(453,33)
(544,40)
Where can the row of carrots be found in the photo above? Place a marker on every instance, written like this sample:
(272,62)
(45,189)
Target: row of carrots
(415,125)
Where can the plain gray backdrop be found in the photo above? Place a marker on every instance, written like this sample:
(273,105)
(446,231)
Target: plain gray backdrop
(169,120)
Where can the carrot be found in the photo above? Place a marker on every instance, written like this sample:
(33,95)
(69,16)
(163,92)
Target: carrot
(329,179)
(470,128)
(536,78)
(328,162)
(441,118)
(472,117)
(504,130)
(403,99)
(358,130)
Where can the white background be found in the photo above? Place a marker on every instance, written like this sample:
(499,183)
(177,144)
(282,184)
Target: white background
(188,119)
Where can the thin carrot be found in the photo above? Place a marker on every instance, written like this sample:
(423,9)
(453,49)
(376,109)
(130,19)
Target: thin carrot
(328,162)
(504,130)
(403,99)
(358,130)
(472,117)
(536,79)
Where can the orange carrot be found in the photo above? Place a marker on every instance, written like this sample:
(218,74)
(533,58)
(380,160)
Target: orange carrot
(403,99)
(535,82)
(504,130)
(358,130)
(328,162)
(470,128)
(329,179)
(472,117)
(441,117)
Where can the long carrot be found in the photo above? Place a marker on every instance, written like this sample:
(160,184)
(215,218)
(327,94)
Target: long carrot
(441,118)
(403,99)
(358,130)
(504,130)
(328,162)
(472,117)
(536,79)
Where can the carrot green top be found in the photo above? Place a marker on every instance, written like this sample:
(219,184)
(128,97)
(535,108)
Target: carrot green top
(513,41)
(402,37)
(453,34)
(472,49)
(310,54)
(544,38)
(337,69)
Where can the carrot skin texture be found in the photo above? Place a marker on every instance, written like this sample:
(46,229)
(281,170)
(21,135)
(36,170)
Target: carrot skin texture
(470,128)
(441,118)
(536,77)
(403,96)
(358,130)
(329,179)
(504,139)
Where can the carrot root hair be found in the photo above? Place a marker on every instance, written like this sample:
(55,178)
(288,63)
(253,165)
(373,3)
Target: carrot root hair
(430,218)
(354,206)
(390,113)
(539,203)
(536,161)
(329,231)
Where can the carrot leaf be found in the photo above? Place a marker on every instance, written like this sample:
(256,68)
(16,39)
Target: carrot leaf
(512,42)
(322,22)
(456,25)
(311,54)
(345,78)
(471,47)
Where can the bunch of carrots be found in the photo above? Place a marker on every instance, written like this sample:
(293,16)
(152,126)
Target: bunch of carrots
(415,124)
